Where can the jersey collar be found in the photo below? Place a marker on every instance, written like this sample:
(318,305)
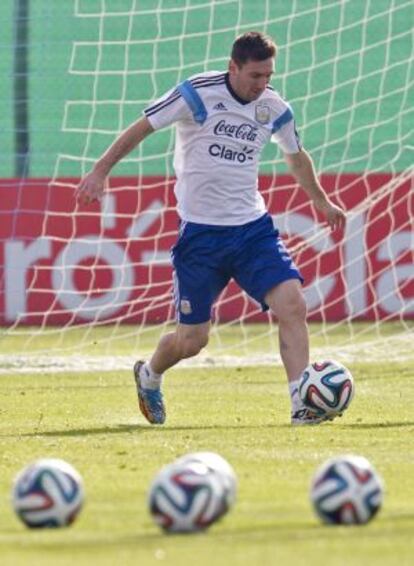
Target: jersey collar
(233,93)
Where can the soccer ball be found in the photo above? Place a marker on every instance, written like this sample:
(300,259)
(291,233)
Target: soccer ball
(219,466)
(346,490)
(47,493)
(186,497)
(326,388)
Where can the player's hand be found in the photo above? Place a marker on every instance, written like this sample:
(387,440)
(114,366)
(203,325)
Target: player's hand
(91,188)
(334,215)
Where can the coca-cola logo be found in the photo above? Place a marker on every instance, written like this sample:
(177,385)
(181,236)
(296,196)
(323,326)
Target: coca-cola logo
(237,131)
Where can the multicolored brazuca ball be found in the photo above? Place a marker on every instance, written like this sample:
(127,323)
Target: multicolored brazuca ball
(346,490)
(48,493)
(326,388)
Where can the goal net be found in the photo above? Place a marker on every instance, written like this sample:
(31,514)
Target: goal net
(82,283)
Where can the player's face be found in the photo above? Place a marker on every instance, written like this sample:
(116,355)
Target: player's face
(251,79)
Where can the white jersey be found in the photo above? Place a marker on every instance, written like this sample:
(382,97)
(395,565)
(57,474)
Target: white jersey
(218,144)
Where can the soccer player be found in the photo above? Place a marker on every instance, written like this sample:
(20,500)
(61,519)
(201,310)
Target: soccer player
(223,120)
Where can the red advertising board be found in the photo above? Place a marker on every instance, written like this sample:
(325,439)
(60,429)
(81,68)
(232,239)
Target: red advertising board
(61,263)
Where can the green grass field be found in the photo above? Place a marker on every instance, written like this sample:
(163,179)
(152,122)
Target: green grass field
(91,420)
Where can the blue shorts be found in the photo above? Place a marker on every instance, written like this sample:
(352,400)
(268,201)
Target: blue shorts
(206,257)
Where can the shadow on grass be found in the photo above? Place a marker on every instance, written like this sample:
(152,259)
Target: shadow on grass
(143,428)
(118,429)
(342,426)
(274,531)
(385,424)
(242,534)
(138,428)
(64,386)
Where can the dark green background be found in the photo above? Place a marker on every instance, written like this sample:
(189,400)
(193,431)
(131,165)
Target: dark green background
(344,66)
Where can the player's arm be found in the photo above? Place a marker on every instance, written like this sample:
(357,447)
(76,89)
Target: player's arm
(301,166)
(92,186)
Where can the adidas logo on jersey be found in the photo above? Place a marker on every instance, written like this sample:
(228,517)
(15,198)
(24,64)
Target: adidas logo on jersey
(219,106)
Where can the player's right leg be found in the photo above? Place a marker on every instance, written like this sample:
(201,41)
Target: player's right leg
(186,341)
(150,399)
(198,279)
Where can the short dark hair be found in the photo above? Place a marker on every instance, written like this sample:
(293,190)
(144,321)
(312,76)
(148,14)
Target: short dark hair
(254,46)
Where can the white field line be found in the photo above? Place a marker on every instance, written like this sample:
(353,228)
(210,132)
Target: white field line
(59,364)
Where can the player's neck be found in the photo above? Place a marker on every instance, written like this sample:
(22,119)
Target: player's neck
(232,89)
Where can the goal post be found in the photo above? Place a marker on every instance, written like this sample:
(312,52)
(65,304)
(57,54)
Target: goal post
(97,280)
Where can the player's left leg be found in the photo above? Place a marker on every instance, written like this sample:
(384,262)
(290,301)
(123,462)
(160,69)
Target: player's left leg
(286,301)
(265,270)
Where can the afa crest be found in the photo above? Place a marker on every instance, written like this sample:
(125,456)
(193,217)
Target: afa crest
(185,306)
(262,113)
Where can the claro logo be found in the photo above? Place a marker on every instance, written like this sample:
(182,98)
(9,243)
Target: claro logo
(237,156)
